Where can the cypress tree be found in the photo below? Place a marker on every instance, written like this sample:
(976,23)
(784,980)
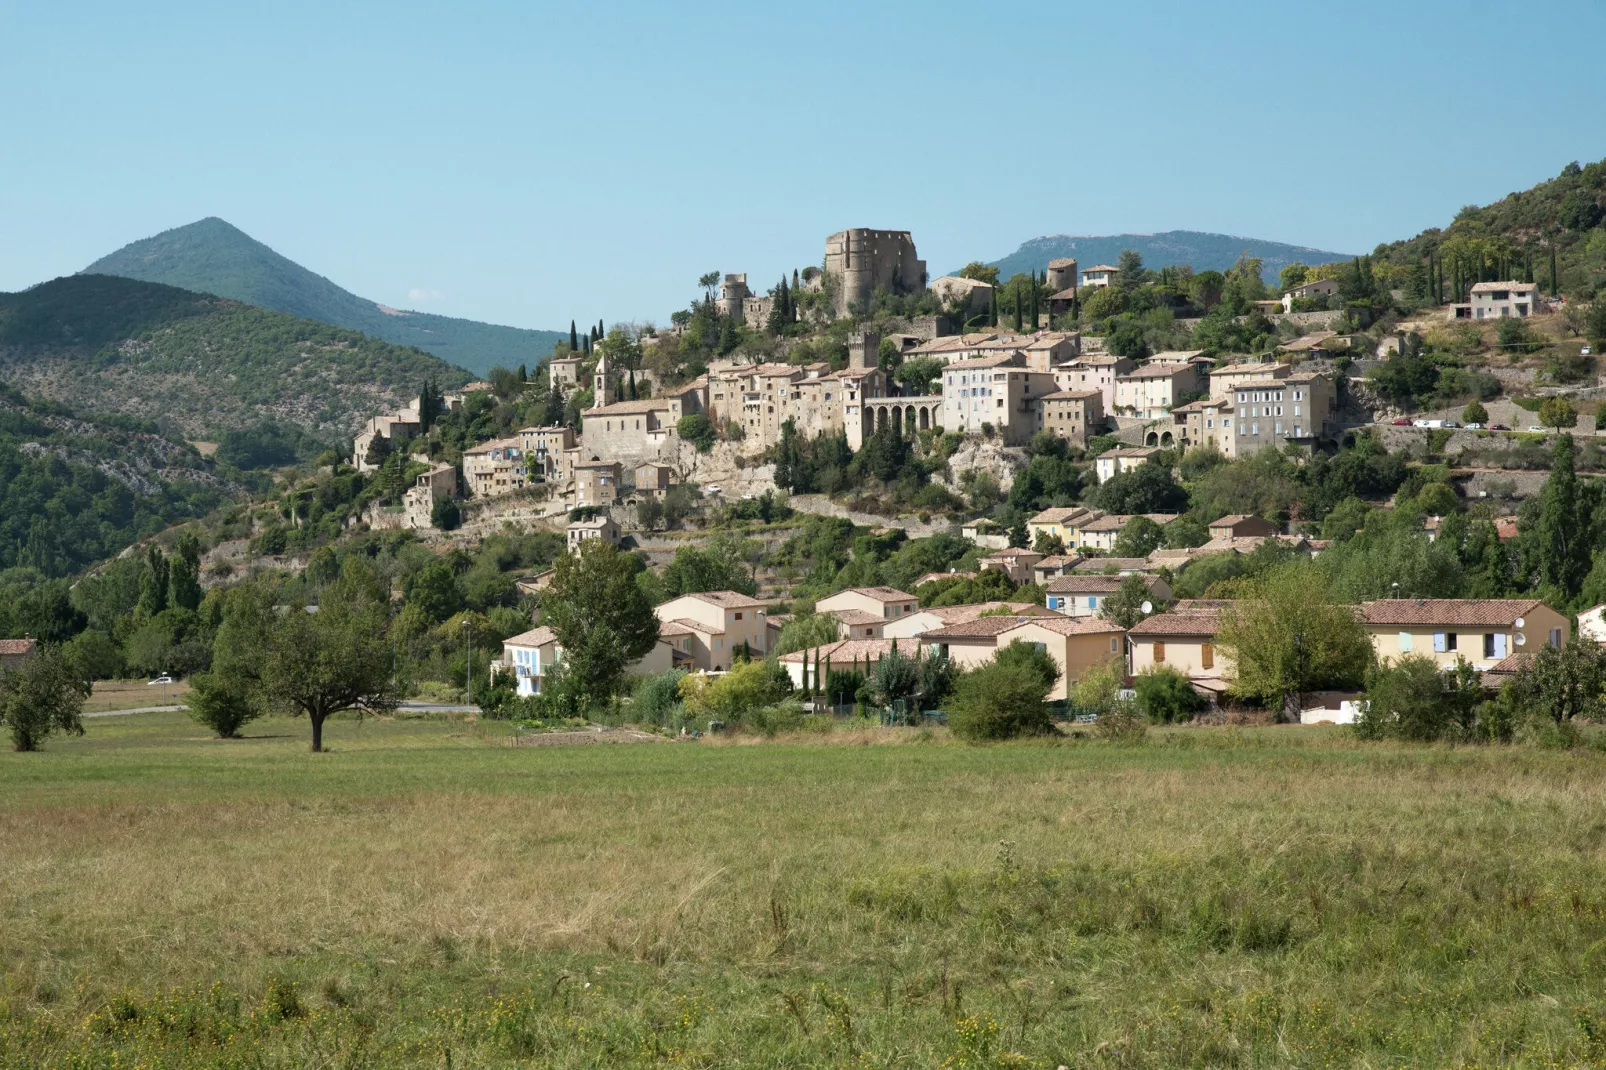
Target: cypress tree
(1034,301)
(1018,309)
(992,312)
(1553,269)
(601,331)
(574,338)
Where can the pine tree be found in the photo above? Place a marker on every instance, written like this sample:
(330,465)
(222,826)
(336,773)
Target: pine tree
(574,338)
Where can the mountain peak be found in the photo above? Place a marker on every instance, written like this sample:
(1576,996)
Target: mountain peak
(1201,250)
(212,255)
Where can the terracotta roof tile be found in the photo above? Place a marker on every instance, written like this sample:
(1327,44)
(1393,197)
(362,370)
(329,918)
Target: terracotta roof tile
(1478,612)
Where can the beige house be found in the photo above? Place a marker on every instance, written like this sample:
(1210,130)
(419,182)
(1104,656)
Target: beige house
(494,468)
(1072,415)
(1013,561)
(1592,624)
(530,655)
(844,655)
(1483,631)
(1498,300)
(997,393)
(1226,380)
(1058,522)
(1075,645)
(1312,288)
(1100,275)
(1184,638)
(1081,595)
(601,527)
(1151,390)
(596,482)
(1094,371)
(1271,412)
(1234,527)
(564,372)
(1112,463)
(1055,565)
(884,603)
(722,623)
(653,480)
(931,618)
(543,452)
(1101,534)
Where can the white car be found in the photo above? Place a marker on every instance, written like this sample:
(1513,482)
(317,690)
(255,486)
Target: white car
(1535,429)
(1449,423)
(713,488)
(1474,426)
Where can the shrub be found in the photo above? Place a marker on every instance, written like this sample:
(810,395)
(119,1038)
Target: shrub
(657,698)
(698,430)
(1166,695)
(737,695)
(1411,699)
(1475,413)
(1000,702)
(1029,656)
(223,703)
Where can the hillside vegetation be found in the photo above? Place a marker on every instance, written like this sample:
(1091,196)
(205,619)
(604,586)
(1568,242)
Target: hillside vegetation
(211,256)
(200,364)
(1515,237)
(78,489)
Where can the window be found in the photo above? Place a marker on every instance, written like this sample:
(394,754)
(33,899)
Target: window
(1405,642)
(1159,652)
(738,616)
(1555,637)
(1449,641)
(1207,656)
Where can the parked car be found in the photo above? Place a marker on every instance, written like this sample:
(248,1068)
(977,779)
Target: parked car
(1499,427)
(1448,423)
(1535,429)
(1474,426)
(1401,422)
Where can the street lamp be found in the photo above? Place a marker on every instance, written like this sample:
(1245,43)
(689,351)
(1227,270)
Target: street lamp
(468,660)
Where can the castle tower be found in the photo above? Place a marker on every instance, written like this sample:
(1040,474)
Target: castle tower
(733,292)
(862,261)
(1061,274)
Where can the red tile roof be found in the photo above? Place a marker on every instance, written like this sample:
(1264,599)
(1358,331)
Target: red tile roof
(1473,612)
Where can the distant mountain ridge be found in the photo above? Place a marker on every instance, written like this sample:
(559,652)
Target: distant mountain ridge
(213,256)
(1202,250)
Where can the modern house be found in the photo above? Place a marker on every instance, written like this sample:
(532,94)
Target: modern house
(1483,631)
(1080,595)
(1307,290)
(1112,463)
(1498,300)
(601,527)
(1100,275)
(883,603)
(1075,645)
(1184,638)
(721,623)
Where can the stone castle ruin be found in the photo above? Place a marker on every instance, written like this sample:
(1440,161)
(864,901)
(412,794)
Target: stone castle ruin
(862,261)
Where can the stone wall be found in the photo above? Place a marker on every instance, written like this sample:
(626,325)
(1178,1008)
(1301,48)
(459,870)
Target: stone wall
(864,261)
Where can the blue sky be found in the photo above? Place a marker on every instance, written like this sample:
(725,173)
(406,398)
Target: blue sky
(528,163)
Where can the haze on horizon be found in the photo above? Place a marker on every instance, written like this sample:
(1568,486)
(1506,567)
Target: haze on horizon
(528,164)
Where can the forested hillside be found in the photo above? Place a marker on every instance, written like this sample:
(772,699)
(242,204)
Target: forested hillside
(76,489)
(200,364)
(1561,221)
(211,256)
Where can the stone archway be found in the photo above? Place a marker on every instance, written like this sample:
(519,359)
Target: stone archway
(925,418)
(1151,439)
(1168,439)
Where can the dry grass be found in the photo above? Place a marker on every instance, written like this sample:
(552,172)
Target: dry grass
(1218,897)
(134,694)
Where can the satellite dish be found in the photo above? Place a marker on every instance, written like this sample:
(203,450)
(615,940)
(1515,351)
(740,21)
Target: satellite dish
(1147,607)
(1521,623)
(1522,640)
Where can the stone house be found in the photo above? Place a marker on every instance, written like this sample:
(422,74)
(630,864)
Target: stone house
(437,484)
(1072,415)
(634,431)
(13,652)
(1112,463)
(1234,527)
(1150,390)
(997,392)
(494,468)
(1100,275)
(1095,371)
(596,482)
(601,527)
(1013,561)
(653,480)
(543,452)
(972,295)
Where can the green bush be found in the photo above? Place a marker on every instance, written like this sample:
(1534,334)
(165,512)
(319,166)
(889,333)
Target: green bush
(657,698)
(1166,695)
(1000,702)
(698,430)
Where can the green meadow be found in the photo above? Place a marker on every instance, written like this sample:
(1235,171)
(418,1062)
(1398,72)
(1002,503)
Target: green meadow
(426,895)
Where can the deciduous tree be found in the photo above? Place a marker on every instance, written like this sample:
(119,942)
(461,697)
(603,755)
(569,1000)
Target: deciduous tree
(41,697)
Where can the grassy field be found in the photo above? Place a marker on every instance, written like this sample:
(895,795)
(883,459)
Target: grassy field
(426,896)
(135,694)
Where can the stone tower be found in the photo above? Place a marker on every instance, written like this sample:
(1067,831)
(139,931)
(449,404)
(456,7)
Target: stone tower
(864,348)
(862,261)
(602,381)
(1061,274)
(732,292)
